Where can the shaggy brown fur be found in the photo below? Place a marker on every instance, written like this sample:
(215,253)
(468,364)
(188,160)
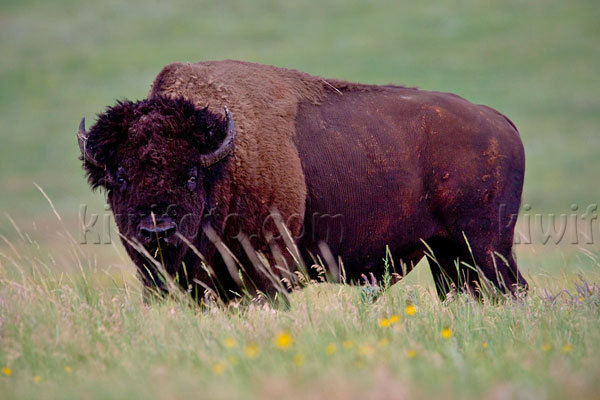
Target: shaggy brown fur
(266,169)
(398,166)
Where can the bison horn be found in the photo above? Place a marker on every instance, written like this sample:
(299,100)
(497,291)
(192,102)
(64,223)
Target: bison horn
(226,146)
(82,137)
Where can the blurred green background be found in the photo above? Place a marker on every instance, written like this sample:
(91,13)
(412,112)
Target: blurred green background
(536,61)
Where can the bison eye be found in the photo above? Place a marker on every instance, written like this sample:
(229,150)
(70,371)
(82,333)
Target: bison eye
(121,180)
(192,179)
(191,183)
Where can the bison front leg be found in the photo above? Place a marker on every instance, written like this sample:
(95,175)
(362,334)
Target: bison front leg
(153,286)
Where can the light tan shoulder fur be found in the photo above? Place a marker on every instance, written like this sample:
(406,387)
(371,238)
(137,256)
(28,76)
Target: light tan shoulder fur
(266,170)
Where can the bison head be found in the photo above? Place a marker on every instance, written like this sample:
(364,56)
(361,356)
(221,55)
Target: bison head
(157,159)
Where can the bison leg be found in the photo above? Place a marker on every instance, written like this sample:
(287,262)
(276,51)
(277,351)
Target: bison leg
(461,266)
(486,239)
(497,264)
(444,258)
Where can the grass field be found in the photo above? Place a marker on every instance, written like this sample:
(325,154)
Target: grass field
(72,322)
(76,341)
(90,335)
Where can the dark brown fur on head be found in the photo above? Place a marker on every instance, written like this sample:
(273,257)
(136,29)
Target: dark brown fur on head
(139,122)
(147,157)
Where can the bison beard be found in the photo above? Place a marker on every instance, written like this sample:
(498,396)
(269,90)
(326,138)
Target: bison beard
(356,167)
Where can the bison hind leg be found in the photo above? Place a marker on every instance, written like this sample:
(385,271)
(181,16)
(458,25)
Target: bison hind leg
(473,267)
(448,269)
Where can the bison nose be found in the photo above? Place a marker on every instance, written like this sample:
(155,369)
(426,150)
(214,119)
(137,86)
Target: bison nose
(160,231)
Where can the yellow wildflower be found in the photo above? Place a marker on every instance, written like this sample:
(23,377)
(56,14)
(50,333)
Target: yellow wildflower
(298,359)
(446,333)
(546,347)
(251,351)
(366,350)
(410,310)
(411,353)
(393,319)
(37,379)
(283,340)
(218,368)
(330,348)
(68,369)
(229,342)
(348,344)
(383,342)
(384,322)
(6,371)
(485,345)
(567,348)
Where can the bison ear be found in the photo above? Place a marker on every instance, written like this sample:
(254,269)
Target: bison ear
(226,146)
(98,145)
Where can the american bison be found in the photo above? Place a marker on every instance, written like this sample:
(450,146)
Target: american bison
(200,172)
